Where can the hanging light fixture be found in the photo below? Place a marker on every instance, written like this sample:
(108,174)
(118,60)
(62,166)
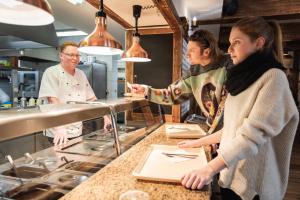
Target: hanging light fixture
(100,41)
(136,53)
(26,12)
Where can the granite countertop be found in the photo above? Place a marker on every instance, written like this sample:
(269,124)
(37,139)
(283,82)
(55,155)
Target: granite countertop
(116,178)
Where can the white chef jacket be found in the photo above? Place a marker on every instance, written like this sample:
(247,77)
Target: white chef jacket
(56,82)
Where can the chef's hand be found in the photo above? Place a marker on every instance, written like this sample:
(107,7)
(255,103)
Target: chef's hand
(196,179)
(189,143)
(107,123)
(60,136)
(138,89)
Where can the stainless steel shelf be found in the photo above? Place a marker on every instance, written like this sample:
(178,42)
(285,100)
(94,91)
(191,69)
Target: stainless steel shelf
(20,122)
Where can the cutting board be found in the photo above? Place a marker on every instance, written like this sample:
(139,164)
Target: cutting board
(184,131)
(156,166)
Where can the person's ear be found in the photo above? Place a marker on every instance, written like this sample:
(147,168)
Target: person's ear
(60,56)
(260,42)
(206,52)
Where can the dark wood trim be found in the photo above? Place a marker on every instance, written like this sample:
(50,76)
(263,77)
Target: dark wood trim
(111,14)
(154,31)
(270,9)
(235,19)
(177,62)
(129,65)
(290,31)
(292,45)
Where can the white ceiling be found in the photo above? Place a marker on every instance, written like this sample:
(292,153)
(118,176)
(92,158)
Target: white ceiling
(150,15)
(202,9)
(81,17)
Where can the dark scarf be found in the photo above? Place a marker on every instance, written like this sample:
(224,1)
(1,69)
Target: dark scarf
(242,75)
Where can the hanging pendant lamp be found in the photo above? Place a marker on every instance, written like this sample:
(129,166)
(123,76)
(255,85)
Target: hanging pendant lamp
(136,53)
(100,42)
(26,12)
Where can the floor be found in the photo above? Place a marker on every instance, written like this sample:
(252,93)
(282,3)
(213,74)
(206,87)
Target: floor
(293,190)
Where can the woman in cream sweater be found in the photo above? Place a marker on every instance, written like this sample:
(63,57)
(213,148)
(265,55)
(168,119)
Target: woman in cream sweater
(260,119)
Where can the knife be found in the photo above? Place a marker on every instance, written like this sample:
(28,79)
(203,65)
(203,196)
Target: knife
(180,155)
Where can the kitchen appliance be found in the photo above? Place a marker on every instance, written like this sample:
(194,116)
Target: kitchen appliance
(28,84)
(96,74)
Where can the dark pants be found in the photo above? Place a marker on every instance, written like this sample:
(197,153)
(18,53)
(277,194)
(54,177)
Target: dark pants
(228,194)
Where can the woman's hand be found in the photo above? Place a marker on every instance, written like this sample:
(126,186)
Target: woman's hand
(198,178)
(189,144)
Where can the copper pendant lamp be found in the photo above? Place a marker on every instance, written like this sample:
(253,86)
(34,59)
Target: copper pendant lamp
(136,53)
(26,12)
(100,42)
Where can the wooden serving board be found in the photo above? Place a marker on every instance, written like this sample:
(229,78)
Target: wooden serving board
(184,131)
(156,166)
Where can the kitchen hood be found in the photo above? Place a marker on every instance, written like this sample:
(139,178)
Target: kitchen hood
(27,37)
(34,54)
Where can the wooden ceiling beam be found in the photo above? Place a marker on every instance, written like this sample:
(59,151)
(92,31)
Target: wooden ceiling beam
(155,31)
(111,14)
(169,12)
(269,9)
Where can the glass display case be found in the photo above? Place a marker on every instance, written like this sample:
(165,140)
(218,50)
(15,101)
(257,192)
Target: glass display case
(52,172)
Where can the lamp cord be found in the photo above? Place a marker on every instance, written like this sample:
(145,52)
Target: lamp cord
(136,26)
(101,5)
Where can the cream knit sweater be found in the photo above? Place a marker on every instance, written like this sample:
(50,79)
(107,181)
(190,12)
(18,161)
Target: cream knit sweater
(259,128)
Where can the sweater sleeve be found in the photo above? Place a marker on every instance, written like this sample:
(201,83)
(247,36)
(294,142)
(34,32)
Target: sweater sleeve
(273,108)
(176,93)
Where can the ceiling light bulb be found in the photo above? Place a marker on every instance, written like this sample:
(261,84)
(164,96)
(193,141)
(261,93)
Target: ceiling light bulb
(194,21)
(75,2)
(26,12)
(100,42)
(136,53)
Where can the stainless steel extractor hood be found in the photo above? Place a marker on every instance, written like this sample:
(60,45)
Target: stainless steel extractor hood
(23,37)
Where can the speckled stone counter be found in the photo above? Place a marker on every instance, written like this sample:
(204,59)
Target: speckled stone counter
(116,177)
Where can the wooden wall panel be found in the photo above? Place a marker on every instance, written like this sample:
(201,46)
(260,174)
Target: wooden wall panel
(270,9)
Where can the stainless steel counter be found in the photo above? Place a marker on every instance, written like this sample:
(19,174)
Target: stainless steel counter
(52,172)
(83,157)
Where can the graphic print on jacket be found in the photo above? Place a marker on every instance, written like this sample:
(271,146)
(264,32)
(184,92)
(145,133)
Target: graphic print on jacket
(205,83)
